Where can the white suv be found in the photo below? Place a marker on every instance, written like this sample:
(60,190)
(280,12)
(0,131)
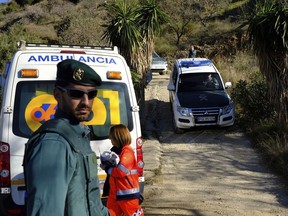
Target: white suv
(158,64)
(198,96)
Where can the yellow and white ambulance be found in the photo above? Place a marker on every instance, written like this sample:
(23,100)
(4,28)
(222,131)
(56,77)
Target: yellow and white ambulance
(27,102)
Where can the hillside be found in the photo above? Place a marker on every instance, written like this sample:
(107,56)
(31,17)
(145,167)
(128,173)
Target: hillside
(62,22)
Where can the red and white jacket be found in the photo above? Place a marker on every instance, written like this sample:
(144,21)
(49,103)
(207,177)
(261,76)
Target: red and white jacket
(124,183)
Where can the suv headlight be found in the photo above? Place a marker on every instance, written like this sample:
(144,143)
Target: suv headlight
(184,111)
(227,109)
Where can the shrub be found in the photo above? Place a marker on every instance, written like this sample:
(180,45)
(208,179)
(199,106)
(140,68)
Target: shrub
(252,101)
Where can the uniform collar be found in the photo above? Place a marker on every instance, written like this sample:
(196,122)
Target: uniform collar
(83,130)
(60,114)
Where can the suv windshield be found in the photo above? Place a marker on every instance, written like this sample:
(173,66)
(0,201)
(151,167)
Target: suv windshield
(199,82)
(35,104)
(156,59)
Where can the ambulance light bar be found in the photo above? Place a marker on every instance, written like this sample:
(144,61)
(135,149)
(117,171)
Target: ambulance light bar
(114,75)
(29,73)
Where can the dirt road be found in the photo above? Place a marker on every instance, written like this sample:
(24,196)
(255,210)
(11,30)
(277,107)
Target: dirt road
(208,171)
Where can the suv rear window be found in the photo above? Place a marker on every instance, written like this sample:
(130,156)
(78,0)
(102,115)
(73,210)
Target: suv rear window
(35,104)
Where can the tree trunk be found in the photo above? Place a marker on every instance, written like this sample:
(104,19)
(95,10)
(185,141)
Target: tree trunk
(275,69)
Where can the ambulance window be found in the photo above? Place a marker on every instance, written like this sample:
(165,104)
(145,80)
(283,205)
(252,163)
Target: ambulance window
(35,104)
(116,109)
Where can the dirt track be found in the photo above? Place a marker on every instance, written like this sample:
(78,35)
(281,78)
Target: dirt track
(207,171)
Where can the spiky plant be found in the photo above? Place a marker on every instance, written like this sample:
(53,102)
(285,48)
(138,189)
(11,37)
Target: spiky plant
(268,33)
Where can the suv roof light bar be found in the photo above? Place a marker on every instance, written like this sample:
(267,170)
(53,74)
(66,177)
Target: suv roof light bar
(194,63)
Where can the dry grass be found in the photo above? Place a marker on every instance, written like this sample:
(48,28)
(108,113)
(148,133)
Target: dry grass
(272,143)
(46,31)
(238,67)
(219,26)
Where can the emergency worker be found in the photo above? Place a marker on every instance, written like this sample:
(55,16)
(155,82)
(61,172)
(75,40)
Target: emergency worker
(124,189)
(60,167)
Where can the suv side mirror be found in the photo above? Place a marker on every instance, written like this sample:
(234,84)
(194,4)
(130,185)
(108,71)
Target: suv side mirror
(228,85)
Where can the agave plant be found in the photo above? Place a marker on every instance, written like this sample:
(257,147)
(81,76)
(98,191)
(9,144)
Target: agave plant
(268,33)
(132,26)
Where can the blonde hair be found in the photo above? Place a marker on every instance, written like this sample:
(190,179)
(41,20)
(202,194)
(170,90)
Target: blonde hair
(120,134)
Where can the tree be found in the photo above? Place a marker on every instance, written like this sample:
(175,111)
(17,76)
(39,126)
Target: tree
(132,28)
(268,28)
(122,29)
(150,17)
(182,13)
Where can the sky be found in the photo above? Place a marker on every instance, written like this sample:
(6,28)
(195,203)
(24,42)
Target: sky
(4,1)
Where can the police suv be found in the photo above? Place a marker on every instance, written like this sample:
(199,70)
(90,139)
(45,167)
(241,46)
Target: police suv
(198,96)
(27,91)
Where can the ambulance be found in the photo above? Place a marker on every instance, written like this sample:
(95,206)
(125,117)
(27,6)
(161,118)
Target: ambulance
(27,102)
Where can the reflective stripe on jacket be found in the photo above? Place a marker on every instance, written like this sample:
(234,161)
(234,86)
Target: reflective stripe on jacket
(124,183)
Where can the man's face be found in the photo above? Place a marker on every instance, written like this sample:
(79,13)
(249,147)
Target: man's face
(75,100)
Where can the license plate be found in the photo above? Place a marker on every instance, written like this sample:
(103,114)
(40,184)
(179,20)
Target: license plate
(206,118)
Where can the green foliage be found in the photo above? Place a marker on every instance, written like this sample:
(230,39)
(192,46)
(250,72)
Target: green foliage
(11,7)
(182,15)
(268,26)
(151,17)
(78,30)
(269,36)
(9,41)
(252,101)
(7,46)
(122,28)
(237,4)
(136,77)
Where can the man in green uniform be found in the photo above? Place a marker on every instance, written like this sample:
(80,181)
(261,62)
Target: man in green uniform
(59,165)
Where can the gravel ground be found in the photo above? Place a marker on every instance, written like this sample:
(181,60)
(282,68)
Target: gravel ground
(206,171)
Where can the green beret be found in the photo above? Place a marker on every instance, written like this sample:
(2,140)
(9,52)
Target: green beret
(72,71)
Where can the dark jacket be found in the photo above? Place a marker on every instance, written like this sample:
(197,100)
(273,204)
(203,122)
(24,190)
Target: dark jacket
(106,187)
(192,53)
